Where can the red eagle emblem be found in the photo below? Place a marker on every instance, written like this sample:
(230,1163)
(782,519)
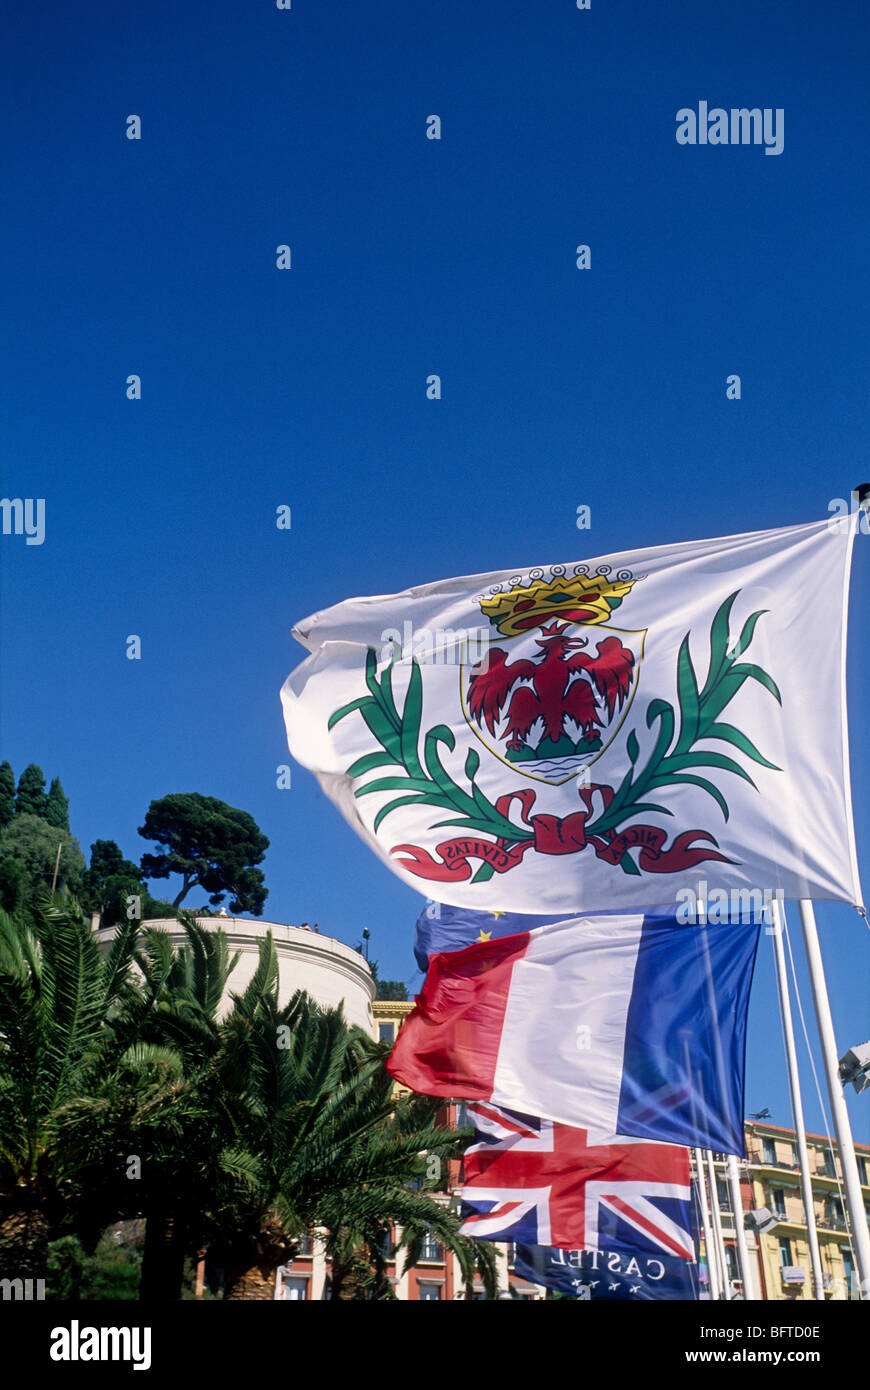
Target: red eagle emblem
(566,683)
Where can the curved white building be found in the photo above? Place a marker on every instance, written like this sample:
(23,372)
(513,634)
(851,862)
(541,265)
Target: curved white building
(329,971)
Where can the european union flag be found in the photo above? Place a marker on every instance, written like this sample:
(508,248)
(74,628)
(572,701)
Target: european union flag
(441,927)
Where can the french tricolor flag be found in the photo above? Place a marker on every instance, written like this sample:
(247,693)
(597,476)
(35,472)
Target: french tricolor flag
(621,1025)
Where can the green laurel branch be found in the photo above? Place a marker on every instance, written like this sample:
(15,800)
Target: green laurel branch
(425,783)
(674,760)
(675,756)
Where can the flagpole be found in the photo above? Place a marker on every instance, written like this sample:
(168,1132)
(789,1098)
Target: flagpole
(714,1239)
(731,1160)
(842,1128)
(797,1108)
(712,1262)
(749,1289)
(733,1179)
(718,1238)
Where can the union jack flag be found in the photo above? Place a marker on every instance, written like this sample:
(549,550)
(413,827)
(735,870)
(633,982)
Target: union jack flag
(530,1180)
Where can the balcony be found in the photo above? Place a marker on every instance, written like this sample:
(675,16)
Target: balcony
(756,1159)
(832,1223)
(826,1170)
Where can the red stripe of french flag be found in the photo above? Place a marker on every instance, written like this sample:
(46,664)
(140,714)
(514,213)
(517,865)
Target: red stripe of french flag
(449,1044)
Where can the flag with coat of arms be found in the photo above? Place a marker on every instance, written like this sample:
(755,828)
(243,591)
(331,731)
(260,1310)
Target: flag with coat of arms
(599,734)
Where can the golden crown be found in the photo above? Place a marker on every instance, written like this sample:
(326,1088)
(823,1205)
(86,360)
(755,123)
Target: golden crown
(578,598)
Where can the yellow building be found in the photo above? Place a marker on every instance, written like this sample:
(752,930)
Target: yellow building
(388,1017)
(785,1270)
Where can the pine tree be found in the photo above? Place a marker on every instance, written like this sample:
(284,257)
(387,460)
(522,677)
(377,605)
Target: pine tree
(30,800)
(57,806)
(109,882)
(212,845)
(7,794)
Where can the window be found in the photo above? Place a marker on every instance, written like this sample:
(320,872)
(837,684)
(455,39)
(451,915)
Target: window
(849,1273)
(303,1243)
(864,1171)
(429,1292)
(386,1032)
(723,1193)
(778,1198)
(827,1168)
(512,1252)
(784,1252)
(386,1244)
(293,1288)
(769,1148)
(833,1211)
(731,1261)
(431,1248)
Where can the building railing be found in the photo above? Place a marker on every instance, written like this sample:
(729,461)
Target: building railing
(832,1223)
(758,1159)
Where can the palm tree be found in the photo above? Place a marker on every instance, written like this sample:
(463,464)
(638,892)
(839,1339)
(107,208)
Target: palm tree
(194,1173)
(56,993)
(340,1153)
(124,1093)
(306,1128)
(102,1072)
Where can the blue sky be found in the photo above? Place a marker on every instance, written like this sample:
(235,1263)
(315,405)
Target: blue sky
(306,387)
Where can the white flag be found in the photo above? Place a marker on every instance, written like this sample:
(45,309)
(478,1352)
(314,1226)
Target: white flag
(596,736)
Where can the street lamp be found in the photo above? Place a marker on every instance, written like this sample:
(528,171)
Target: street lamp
(760,1220)
(855,1067)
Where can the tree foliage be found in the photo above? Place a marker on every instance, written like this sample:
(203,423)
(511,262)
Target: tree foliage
(57,806)
(109,881)
(252,1125)
(209,844)
(14,885)
(7,794)
(107,861)
(30,800)
(393,990)
(33,842)
(55,992)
